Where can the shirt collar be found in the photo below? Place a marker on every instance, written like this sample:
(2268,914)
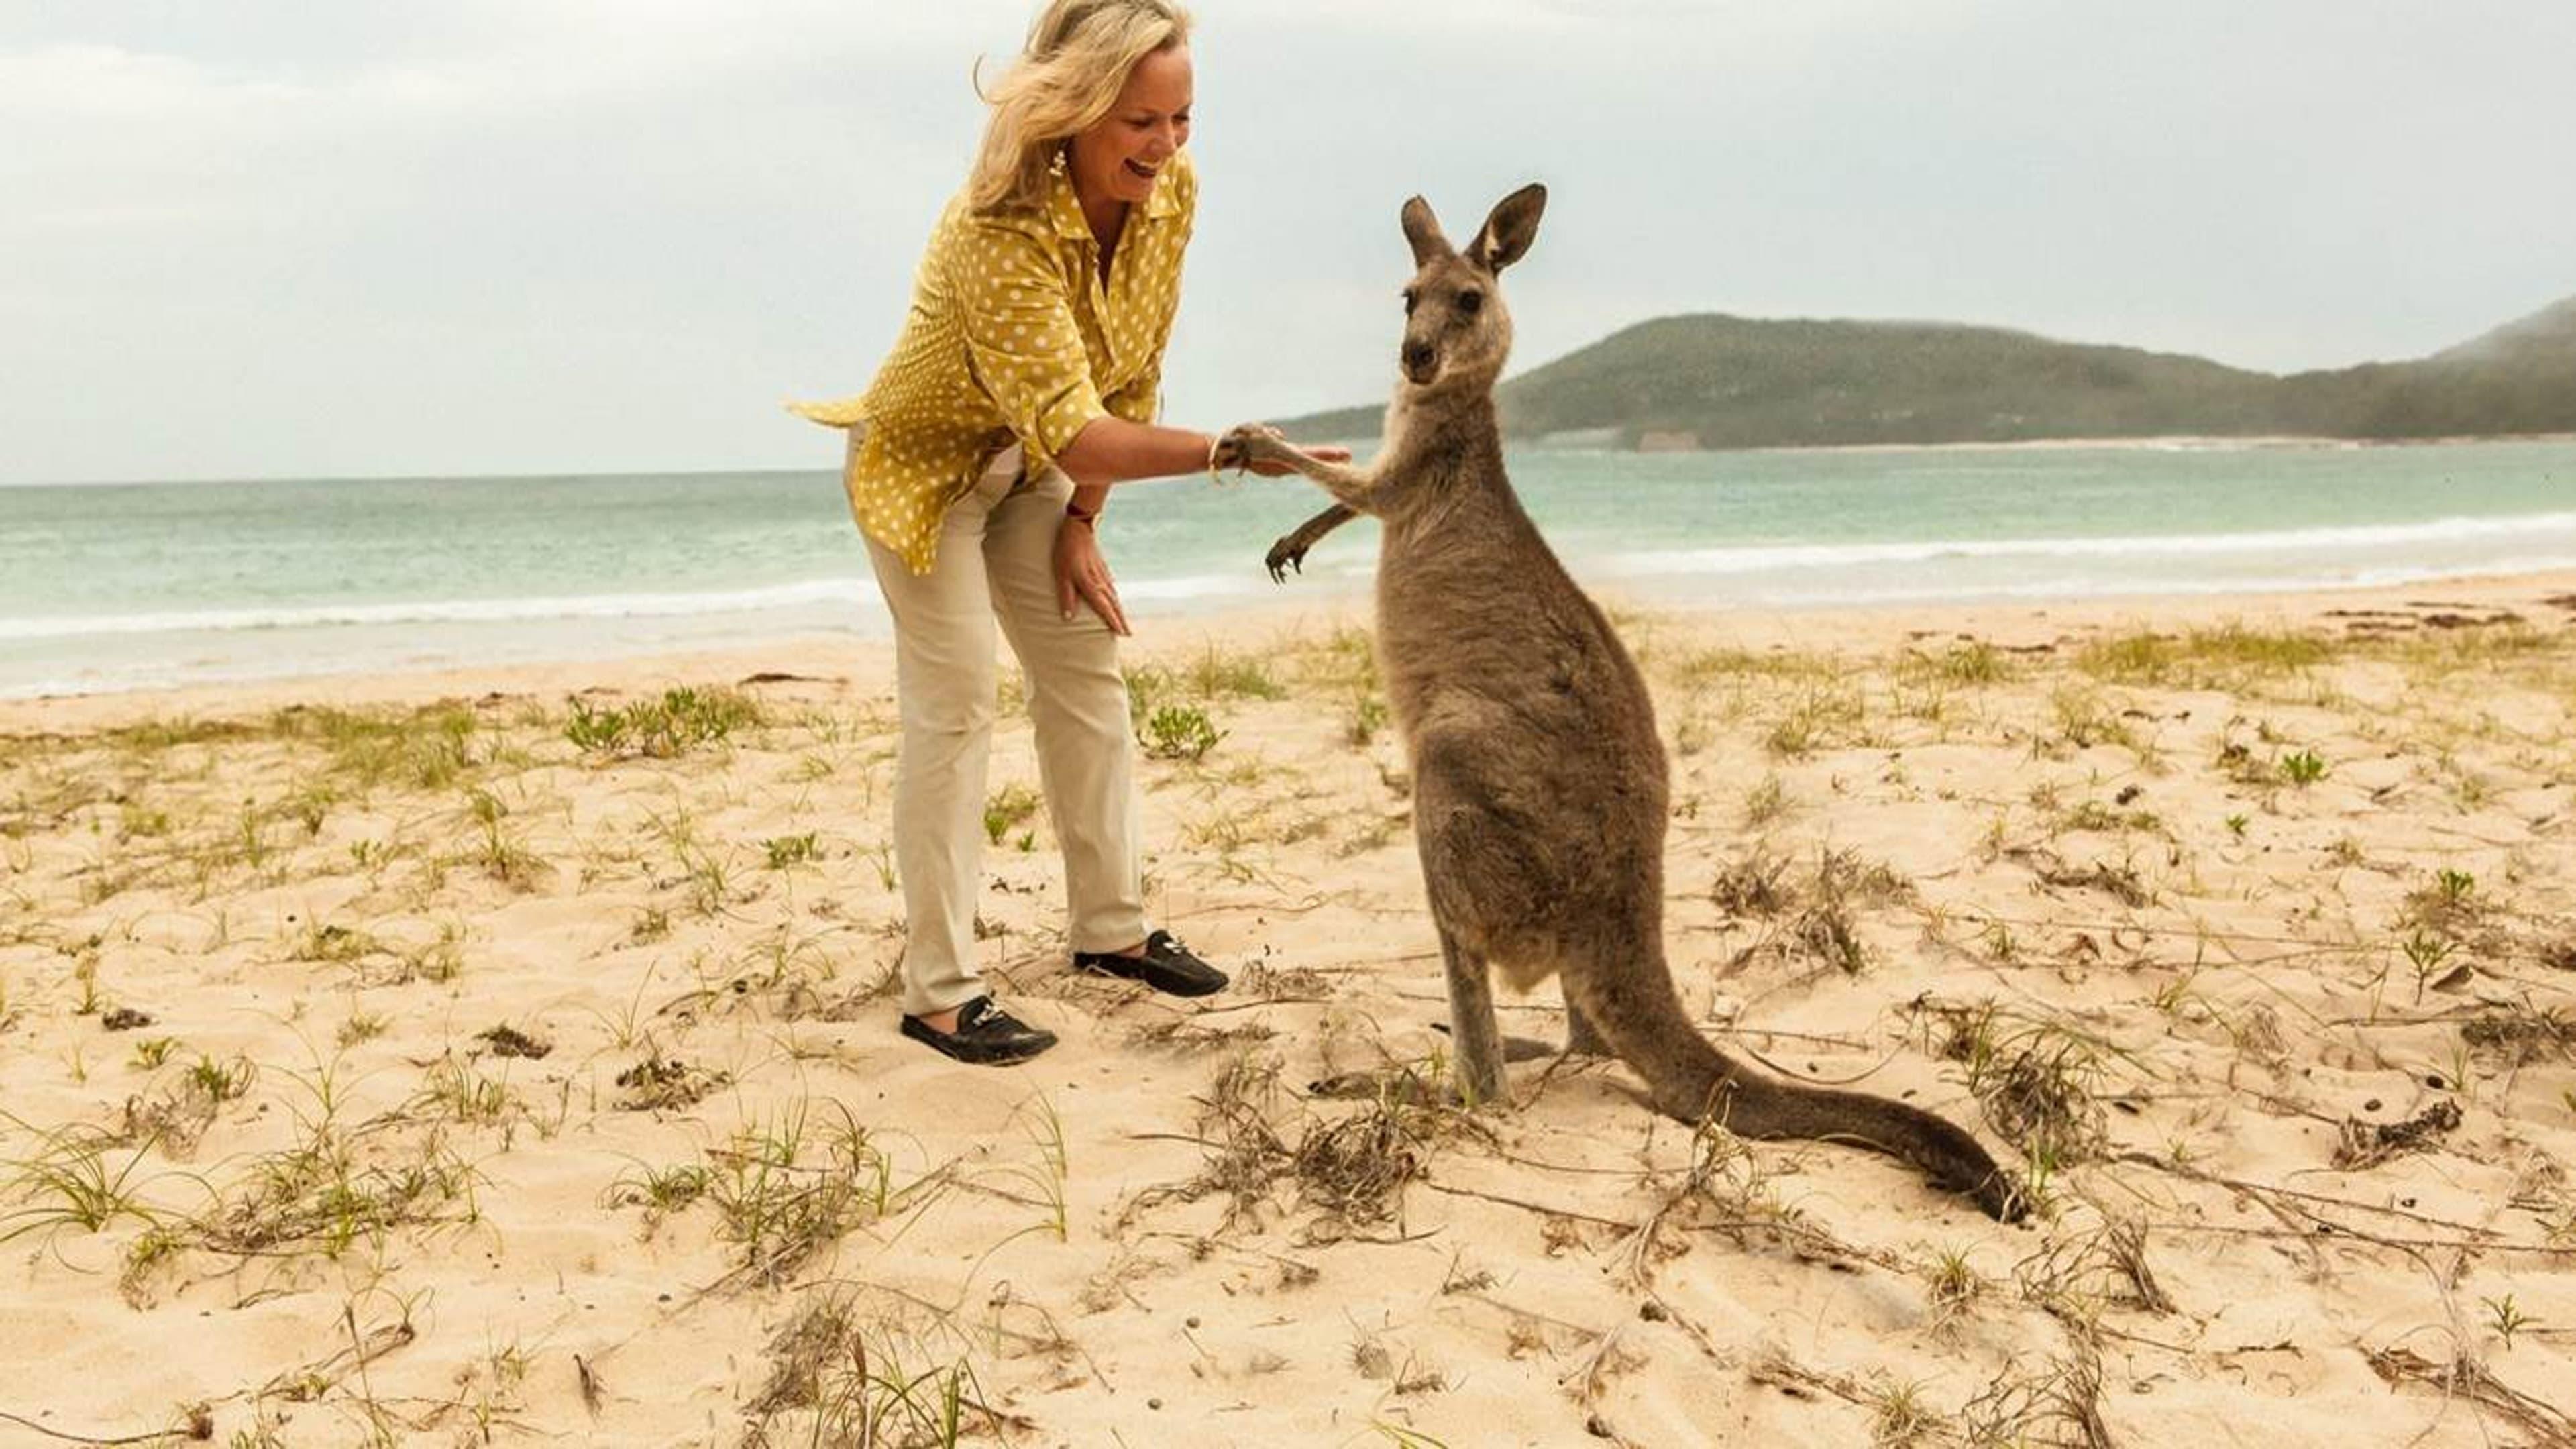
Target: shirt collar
(1065,208)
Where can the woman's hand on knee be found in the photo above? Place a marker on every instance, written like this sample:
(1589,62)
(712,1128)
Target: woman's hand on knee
(1082,575)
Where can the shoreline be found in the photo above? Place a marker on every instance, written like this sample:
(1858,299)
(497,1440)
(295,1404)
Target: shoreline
(842,657)
(1946,534)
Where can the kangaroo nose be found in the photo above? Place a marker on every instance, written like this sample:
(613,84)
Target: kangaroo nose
(1417,356)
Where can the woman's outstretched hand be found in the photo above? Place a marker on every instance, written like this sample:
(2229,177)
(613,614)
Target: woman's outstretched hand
(1081,573)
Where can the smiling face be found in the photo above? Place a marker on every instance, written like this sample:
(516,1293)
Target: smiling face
(1116,158)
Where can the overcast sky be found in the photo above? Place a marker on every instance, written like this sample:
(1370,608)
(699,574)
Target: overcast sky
(267,238)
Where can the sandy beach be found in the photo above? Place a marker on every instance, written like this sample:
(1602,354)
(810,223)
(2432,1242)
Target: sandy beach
(508,1057)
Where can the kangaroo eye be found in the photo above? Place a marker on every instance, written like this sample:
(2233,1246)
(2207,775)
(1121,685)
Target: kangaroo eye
(1410,297)
(1471,302)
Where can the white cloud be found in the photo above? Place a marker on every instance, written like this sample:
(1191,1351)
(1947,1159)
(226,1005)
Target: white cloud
(484,235)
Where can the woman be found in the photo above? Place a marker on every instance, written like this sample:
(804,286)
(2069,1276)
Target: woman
(1025,383)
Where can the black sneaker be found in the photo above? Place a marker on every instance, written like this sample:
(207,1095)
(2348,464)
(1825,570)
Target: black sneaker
(986,1035)
(1167,966)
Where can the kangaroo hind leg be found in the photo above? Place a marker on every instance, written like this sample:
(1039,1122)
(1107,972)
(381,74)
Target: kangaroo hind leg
(1481,1048)
(1582,1038)
(1471,1022)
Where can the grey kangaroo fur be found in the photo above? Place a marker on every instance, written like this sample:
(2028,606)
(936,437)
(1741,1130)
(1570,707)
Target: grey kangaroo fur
(1539,782)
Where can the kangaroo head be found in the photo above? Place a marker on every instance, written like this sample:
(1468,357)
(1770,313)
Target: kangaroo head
(1457,332)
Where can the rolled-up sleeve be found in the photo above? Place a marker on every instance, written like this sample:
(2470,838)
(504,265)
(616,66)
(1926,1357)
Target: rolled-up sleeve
(1022,342)
(1140,401)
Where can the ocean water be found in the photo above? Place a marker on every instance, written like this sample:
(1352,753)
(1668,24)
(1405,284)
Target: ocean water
(144,585)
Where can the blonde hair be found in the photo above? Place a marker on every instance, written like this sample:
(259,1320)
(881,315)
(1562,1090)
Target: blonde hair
(1076,63)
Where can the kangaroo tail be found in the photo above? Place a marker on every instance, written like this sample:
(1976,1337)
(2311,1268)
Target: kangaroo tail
(1634,1007)
(1944,1152)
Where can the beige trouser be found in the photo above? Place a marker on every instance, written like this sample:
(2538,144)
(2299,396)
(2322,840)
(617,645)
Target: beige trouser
(997,559)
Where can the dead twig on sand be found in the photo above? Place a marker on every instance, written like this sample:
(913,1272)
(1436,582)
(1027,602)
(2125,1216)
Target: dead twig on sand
(2465,1378)
(199,1426)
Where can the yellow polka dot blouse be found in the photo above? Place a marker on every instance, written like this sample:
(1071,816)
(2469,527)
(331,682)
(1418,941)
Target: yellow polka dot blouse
(1012,336)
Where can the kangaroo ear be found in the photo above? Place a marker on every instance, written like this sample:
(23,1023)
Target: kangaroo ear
(1507,233)
(1422,229)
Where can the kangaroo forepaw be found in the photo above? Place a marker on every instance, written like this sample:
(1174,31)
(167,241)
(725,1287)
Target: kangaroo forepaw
(1250,445)
(1288,553)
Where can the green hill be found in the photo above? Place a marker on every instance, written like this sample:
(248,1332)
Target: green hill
(1739,382)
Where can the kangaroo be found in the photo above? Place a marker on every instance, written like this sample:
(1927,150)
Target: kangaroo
(1539,782)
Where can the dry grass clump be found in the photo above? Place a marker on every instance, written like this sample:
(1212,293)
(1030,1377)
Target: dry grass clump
(2466,1378)
(1824,933)
(663,1084)
(1823,717)
(2076,1278)
(2035,1080)
(1356,1169)
(1953,1285)
(1754,886)
(782,1190)
(1725,1189)
(1819,910)
(374,961)
(1353,1168)
(2231,655)
(1245,1156)
(1847,876)
(509,1041)
(1186,1034)
(2059,1405)
(2524,1034)
(1342,661)
(1222,673)
(1966,662)
(1696,668)
(321,1196)
(175,1114)
(1266,982)
(843,1377)
(2121,882)
(1760,885)
(2365,1145)
(429,747)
